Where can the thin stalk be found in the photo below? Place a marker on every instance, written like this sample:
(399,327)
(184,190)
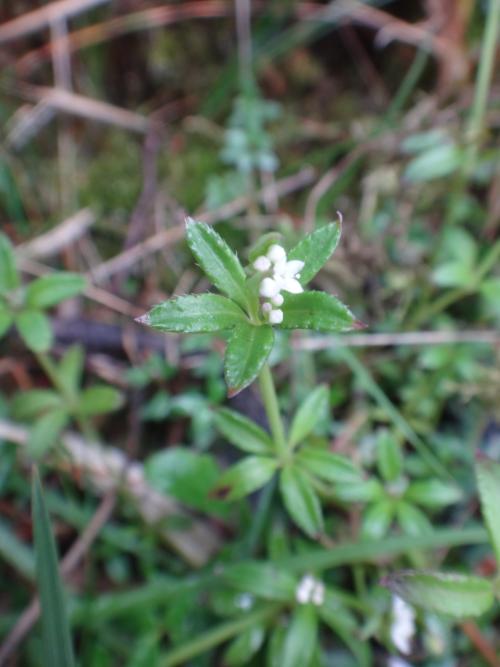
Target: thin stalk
(46,363)
(271,405)
(213,638)
(476,121)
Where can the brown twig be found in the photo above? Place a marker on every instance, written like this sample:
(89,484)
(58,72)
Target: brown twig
(59,237)
(39,19)
(395,339)
(481,643)
(82,106)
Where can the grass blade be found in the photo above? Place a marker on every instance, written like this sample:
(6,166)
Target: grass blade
(57,647)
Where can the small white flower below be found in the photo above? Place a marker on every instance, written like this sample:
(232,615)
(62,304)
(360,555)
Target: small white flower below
(284,277)
(403,625)
(310,591)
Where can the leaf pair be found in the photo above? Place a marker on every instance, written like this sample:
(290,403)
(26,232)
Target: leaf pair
(24,307)
(51,411)
(297,474)
(251,338)
(293,645)
(453,594)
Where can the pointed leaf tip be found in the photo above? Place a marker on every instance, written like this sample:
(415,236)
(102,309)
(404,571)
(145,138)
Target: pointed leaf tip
(359,325)
(142,319)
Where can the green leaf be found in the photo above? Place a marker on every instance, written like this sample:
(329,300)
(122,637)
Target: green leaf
(243,433)
(35,330)
(389,456)
(301,500)
(45,433)
(412,520)
(275,646)
(9,277)
(433,493)
(246,353)
(453,274)
(364,491)
(31,403)
(217,260)
(328,466)
(197,313)
(56,638)
(377,520)
(51,289)
(312,409)
(488,481)
(301,637)
(70,369)
(245,646)
(437,162)
(246,477)
(452,594)
(15,551)
(6,320)
(344,626)
(262,579)
(99,400)
(315,249)
(187,476)
(318,311)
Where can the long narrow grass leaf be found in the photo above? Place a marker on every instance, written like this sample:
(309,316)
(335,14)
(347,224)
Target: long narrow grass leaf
(57,647)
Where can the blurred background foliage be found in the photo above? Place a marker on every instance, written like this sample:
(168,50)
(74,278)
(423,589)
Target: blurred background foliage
(120,118)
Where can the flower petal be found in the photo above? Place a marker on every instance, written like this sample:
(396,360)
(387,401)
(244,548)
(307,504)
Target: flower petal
(291,285)
(292,267)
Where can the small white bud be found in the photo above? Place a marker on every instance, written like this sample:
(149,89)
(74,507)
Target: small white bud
(276,254)
(304,589)
(266,307)
(262,263)
(276,316)
(269,288)
(318,594)
(277,300)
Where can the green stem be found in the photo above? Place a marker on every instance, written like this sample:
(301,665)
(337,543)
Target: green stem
(476,121)
(222,633)
(51,372)
(271,405)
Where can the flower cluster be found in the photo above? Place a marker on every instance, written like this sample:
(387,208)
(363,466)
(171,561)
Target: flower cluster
(283,276)
(310,590)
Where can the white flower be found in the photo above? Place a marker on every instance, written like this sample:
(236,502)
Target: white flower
(262,264)
(269,288)
(310,590)
(284,277)
(276,254)
(403,625)
(276,316)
